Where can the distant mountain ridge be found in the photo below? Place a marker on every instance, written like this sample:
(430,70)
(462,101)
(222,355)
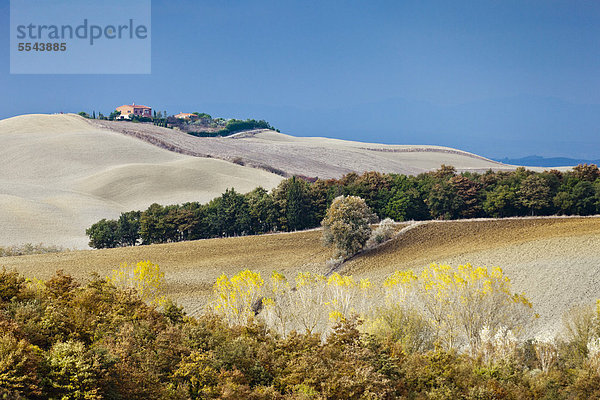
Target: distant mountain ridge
(539,161)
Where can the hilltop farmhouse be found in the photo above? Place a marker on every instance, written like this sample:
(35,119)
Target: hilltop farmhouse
(134,109)
(188,116)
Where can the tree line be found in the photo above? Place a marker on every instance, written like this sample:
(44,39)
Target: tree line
(301,203)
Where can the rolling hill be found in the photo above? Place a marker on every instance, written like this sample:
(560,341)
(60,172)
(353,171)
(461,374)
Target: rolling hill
(554,261)
(308,156)
(60,174)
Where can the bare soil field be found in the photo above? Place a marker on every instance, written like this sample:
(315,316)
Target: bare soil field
(60,174)
(190,267)
(313,157)
(554,261)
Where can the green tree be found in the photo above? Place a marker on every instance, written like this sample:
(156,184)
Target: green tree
(128,228)
(158,224)
(374,188)
(233,213)
(563,202)
(296,212)
(228,215)
(500,202)
(346,224)
(583,195)
(534,193)
(263,217)
(443,201)
(406,201)
(190,219)
(103,234)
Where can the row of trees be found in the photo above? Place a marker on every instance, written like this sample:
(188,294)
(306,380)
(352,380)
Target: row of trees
(286,208)
(205,126)
(302,203)
(64,340)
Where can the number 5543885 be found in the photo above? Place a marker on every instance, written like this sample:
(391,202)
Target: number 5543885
(42,46)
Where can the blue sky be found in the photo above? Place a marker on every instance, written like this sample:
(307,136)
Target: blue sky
(499,78)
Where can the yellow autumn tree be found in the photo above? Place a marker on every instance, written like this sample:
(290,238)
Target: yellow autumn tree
(460,302)
(144,277)
(238,298)
(346,296)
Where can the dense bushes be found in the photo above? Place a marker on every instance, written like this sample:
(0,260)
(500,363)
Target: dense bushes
(198,126)
(63,340)
(451,307)
(298,204)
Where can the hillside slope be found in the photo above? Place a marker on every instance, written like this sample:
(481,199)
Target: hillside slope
(60,174)
(313,157)
(554,261)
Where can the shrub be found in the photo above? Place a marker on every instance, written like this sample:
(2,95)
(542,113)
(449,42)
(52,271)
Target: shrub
(238,161)
(404,325)
(145,278)
(384,232)
(346,224)
(462,301)
(581,328)
(28,249)
(98,341)
(11,284)
(20,368)
(75,372)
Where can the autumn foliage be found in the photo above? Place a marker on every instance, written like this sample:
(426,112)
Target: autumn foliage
(60,339)
(455,305)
